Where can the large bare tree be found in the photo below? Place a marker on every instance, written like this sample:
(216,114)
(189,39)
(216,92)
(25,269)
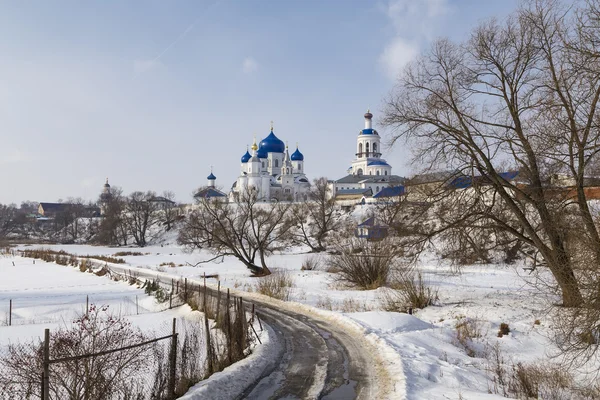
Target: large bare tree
(519,94)
(140,215)
(247,230)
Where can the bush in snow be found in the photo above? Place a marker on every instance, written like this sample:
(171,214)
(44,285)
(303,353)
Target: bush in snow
(311,263)
(364,265)
(91,378)
(408,291)
(277,285)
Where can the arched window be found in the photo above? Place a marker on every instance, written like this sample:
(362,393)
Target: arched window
(374,147)
(360,171)
(360,149)
(385,173)
(263,164)
(276,163)
(287,170)
(377,189)
(377,172)
(367,148)
(370,172)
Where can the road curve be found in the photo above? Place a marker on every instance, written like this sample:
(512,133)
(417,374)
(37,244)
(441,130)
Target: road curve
(319,359)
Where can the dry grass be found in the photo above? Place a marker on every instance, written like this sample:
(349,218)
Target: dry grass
(128,253)
(170,264)
(468,329)
(364,265)
(277,285)
(408,291)
(312,262)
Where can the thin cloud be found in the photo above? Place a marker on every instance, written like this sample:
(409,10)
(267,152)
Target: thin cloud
(250,65)
(415,23)
(142,66)
(12,156)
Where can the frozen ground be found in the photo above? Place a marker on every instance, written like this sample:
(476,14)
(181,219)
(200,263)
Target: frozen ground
(47,295)
(435,364)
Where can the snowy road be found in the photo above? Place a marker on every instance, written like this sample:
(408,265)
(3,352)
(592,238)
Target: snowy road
(319,360)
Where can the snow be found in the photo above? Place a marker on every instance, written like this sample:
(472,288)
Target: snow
(233,380)
(419,356)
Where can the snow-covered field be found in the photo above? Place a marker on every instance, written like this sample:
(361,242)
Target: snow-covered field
(436,365)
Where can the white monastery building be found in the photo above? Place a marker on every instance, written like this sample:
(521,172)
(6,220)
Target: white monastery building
(369,174)
(272,172)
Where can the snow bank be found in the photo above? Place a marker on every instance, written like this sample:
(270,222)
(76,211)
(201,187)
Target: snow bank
(235,379)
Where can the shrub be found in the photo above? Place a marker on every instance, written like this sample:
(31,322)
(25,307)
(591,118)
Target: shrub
(120,374)
(311,263)
(468,329)
(408,291)
(504,329)
(364,265)
(167,264)
(277,285)
(544,381)
(127,253)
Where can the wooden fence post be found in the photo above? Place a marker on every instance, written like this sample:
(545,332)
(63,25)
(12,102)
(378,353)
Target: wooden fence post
(259,323)
(173,363)
(87,304)
(185,294)
(46,375)
(10,312)
(227,315)
(170,300)
(204,298)
(208,346)
(218,301)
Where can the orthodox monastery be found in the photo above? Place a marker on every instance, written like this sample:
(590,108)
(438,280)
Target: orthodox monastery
(272,172)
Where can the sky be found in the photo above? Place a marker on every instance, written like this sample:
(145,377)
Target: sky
(151,94)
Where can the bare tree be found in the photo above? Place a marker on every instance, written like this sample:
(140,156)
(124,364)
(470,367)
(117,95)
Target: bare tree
(521,94)
(112,229)
(140,215)
(248,230)
(8,220)
(168,212)
(316,217)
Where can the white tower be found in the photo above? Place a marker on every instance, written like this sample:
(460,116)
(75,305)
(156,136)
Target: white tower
(368,152)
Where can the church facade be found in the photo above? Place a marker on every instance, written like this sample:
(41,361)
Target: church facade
(368,174)
(272,172)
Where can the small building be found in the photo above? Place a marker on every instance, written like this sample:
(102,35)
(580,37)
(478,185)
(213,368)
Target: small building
(390,194)
(163,202)
(371,230)
(210,191)
(50,210)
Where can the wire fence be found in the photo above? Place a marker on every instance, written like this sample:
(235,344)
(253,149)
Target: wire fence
(101,356)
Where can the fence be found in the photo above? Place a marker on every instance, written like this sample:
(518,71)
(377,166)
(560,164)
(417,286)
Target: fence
(221,338)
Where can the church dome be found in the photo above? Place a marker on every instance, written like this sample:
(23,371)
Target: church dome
(246,157)
(106,185)
(211,177)
(261,153)
(272,144)
(297,156)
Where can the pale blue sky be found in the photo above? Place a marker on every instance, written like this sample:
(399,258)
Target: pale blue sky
(152,93)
